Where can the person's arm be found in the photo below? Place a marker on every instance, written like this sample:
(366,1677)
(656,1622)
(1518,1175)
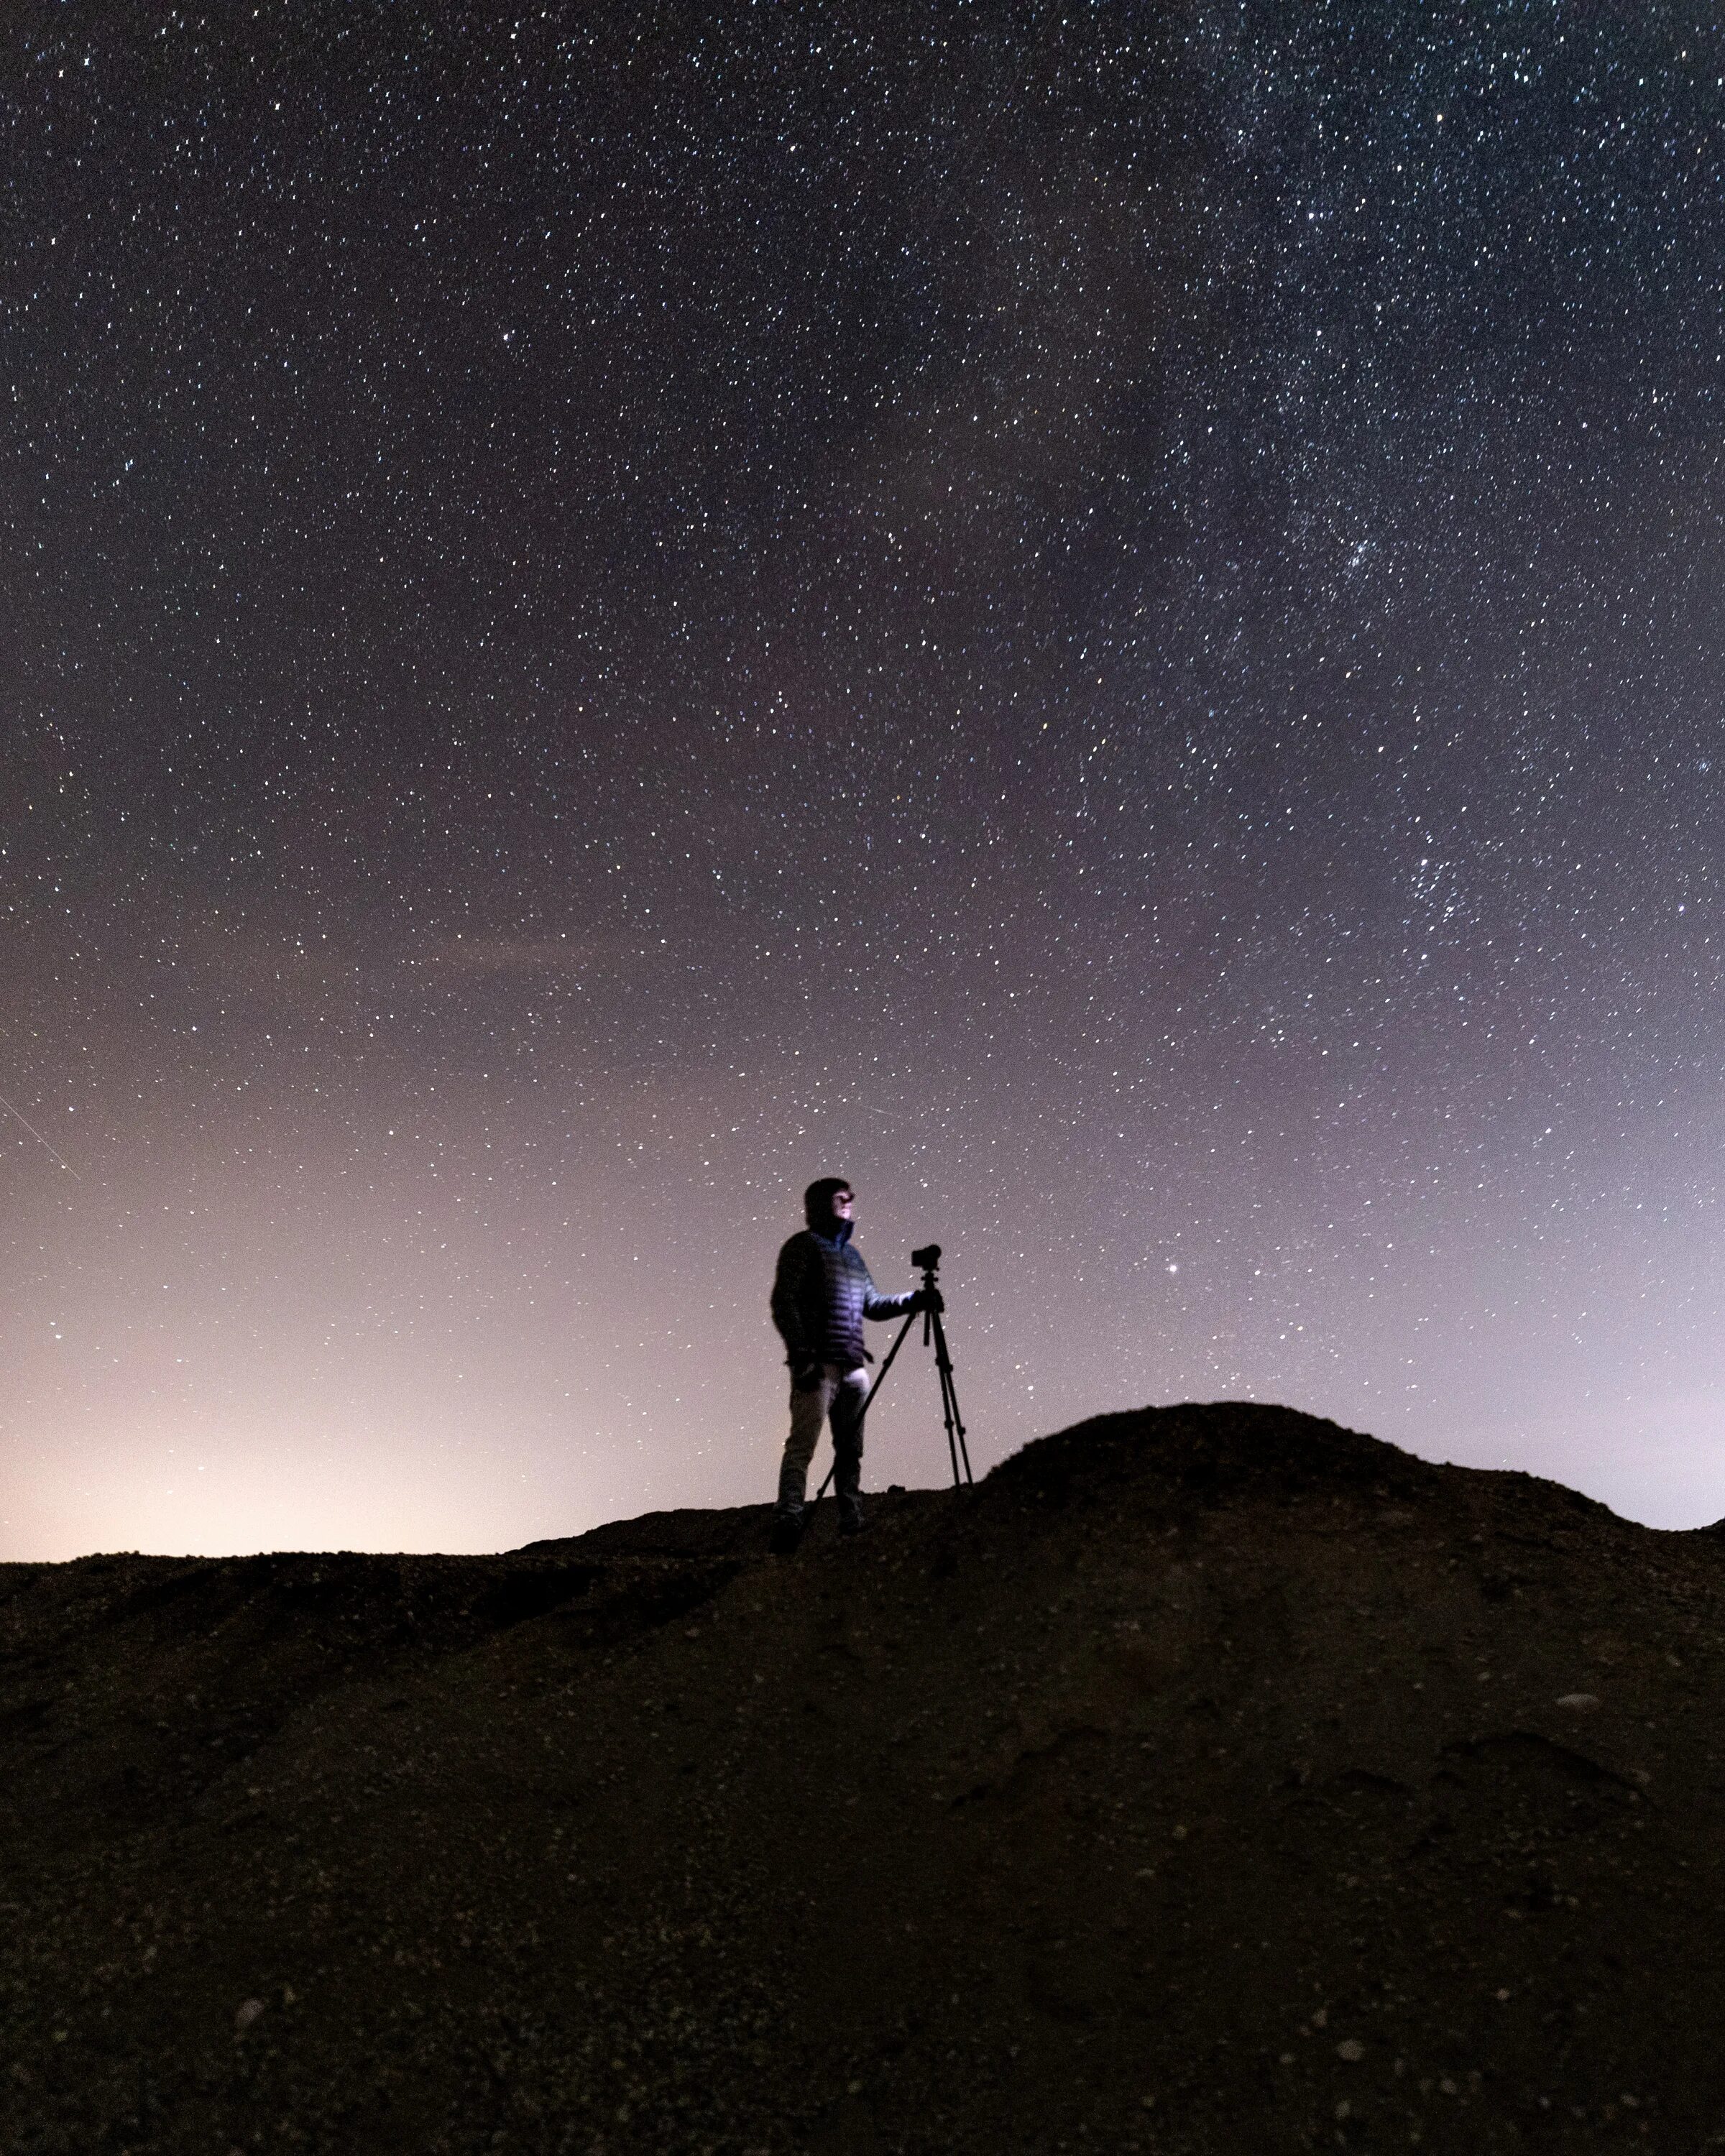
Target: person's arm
(876,1305)
(790,1300)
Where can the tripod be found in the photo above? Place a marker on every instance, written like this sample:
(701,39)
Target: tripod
(927,1262)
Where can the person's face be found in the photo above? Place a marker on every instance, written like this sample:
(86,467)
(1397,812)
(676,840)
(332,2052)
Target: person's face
(843,1205)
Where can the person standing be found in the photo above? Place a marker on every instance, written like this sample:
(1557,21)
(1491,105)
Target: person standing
(821,1294)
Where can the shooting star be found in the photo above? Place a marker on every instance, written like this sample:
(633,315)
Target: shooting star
(40,1140)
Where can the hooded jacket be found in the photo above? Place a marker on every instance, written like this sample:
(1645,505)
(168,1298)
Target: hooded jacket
(821,1294)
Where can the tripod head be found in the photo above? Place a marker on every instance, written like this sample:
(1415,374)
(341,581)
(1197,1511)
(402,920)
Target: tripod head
(927,1260)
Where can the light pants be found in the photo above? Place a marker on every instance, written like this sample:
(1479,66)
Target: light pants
(840,1396)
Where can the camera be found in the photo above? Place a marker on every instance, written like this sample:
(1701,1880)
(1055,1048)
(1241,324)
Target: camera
(927,1258)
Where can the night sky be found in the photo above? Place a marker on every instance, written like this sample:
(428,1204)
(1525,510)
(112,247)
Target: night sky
(1106,618)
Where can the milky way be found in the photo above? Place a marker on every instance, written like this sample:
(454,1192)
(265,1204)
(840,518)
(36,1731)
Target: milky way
(1106,620)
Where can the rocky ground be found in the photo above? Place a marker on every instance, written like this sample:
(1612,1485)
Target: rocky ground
(1208,1779)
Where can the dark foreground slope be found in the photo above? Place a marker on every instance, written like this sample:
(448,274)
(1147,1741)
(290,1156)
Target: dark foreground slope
(1211,1779)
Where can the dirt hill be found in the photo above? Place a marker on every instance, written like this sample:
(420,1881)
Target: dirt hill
(1209,1779)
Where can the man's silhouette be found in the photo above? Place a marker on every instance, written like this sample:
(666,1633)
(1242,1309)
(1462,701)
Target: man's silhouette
(821,1294)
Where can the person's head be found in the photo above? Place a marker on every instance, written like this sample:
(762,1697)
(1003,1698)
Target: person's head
(827,1202)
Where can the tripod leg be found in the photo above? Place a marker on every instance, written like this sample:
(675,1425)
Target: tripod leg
(880,1380)
(959,1429)
(880,1375)
(956,1446)
(952,1390)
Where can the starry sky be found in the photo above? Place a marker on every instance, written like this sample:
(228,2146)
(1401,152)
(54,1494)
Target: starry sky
(1107,619)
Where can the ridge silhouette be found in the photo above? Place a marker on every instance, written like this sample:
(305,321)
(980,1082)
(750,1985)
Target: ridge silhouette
(1206,1779)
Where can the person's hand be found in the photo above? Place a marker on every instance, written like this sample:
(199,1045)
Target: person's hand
(805,1377)
(929,1299)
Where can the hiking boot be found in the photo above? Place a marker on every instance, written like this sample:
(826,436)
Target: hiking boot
(787,1534)
(850,1523)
